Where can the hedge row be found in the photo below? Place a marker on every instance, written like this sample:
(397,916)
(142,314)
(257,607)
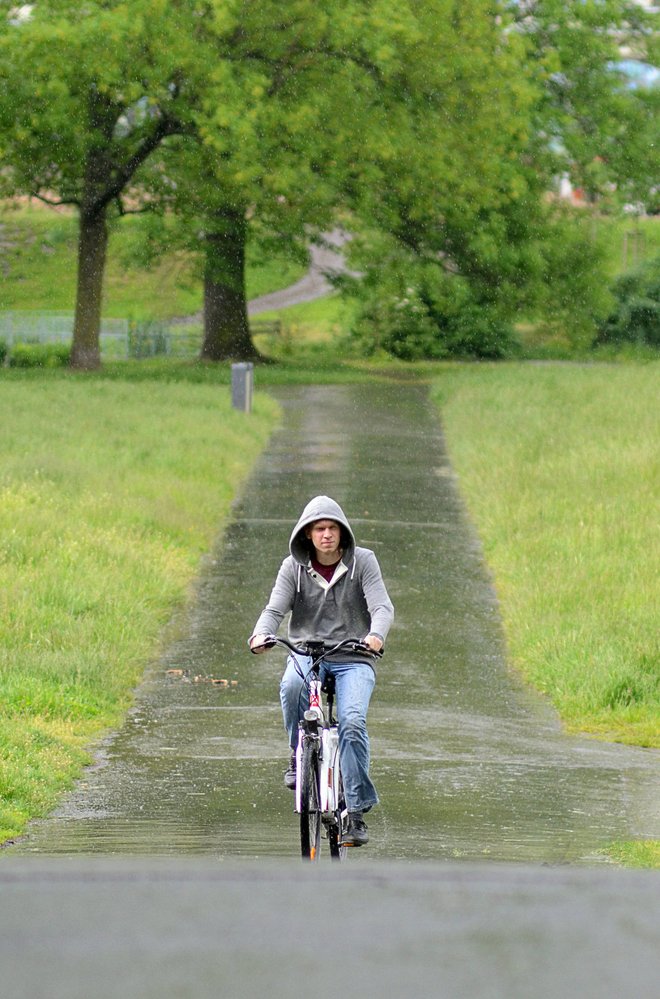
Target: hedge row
(35,355)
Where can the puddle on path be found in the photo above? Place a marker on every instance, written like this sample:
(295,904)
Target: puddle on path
(468,762)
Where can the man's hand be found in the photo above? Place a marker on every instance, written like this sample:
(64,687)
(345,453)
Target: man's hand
(256,641)
(374,642)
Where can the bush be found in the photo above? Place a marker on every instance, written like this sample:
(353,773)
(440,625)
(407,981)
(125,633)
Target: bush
(479,332)
(401,326)
(572,295)
(437,316)
(3,351)
(636,316)
(40,355)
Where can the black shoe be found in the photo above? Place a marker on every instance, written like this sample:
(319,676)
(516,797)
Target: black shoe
(356,834)
(290,775)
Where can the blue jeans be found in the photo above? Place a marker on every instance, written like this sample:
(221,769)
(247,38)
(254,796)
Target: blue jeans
(354,683)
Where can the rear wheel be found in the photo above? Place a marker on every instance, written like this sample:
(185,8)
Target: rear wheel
(310,811)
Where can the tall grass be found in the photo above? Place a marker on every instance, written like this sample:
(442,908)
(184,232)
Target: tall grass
(559,465)
(109,494)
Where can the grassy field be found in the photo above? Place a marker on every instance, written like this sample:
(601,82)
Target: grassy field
(559,467)
(311,332)
(110,493)
(640,854)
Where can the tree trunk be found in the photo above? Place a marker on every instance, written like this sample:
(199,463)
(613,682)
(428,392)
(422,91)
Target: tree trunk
(92,245)
(92,239)
(226,327)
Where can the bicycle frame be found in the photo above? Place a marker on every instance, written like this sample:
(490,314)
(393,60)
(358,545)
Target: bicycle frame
(315,725)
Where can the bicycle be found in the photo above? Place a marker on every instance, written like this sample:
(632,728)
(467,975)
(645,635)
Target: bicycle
(319,798)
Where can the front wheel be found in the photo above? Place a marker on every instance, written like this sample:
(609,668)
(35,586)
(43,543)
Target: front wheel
(310,810)
(335,832)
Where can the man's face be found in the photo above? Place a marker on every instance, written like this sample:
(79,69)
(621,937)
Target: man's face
(325,535)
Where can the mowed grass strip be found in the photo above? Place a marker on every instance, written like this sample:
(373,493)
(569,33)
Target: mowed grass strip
(559,468)
(110,492)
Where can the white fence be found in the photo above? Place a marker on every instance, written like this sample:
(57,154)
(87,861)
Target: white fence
(57,327)
(120,338)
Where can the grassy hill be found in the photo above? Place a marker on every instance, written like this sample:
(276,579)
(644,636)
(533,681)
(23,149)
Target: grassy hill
(38,268)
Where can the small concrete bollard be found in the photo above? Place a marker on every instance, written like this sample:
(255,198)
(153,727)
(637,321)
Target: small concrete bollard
(242,377)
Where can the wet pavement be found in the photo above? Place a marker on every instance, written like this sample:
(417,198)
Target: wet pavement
(468,762)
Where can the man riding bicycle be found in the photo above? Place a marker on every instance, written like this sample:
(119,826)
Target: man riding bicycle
(334,590)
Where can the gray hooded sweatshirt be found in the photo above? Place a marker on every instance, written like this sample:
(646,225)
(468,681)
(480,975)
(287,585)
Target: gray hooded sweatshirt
(353,604)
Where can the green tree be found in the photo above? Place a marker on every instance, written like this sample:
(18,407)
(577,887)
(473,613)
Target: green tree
(530,94)
(437,124)
(286,106)
(90,92)
(450,228)
(300,106)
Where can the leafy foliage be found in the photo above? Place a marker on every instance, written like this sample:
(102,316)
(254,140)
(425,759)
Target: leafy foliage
(39,355)
(550,266)
(569,294)
(103,80)
(636,316)
(416,311)
(588,122)
(533,96)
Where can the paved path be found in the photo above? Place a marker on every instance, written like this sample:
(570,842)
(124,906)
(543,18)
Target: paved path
(325,261)
(193,929)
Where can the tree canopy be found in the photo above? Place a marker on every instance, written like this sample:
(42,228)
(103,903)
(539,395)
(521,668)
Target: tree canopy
(435,124)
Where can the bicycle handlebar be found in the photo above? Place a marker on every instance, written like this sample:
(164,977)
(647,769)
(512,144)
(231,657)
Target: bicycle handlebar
(317,650)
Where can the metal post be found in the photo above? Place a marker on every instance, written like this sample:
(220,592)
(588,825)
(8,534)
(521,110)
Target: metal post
(241,386)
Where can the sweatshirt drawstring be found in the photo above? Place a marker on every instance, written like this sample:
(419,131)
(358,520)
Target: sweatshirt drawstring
(299,571)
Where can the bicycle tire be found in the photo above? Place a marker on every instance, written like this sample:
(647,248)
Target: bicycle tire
(337,850)
(310,810)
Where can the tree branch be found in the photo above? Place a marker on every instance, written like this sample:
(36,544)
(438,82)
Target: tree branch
(122,174)
(54,204)
(286,65)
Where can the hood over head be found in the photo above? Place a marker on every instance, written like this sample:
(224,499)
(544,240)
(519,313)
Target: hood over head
(320,508)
